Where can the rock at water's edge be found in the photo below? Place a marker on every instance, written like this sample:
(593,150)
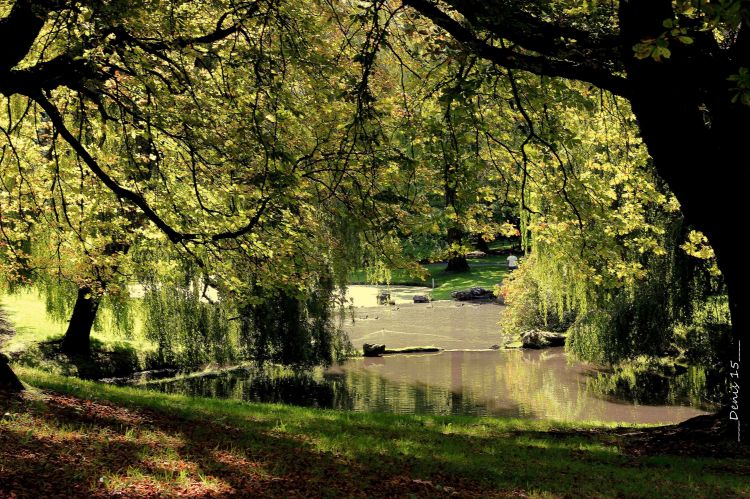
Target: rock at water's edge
(473,294)
(542,339)
(375,350)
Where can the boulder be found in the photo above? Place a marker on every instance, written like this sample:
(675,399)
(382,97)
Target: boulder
(384,297)
(473,294)
(373,350)
(421,299)
(542,339)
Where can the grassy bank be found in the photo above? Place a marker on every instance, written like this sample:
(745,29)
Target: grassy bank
(27,312)
(89,438)
(484,272)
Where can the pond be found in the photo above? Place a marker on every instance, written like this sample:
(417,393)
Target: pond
(463,380)
(512,383)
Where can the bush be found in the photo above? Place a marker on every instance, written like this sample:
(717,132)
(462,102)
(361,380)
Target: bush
(528,307)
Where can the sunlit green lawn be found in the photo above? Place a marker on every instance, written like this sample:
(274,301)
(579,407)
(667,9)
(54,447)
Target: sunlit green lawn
(27,312)
(484,272)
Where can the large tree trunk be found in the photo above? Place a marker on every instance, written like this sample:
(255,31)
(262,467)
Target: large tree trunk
(9,382)
(457,263)
(698,140)
(77,340)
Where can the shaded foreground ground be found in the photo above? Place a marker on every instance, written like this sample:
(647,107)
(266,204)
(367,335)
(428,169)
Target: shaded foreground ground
(75,438)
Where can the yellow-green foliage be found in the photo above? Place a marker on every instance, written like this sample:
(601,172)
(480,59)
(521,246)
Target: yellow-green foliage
(529,306)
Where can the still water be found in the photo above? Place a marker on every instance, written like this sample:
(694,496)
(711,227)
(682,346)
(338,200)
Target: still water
(511,383)
(461,380)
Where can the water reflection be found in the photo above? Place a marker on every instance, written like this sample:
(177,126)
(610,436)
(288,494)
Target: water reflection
(527,384)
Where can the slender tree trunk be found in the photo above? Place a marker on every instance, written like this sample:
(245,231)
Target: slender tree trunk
(77,338)
(9,382)
(457,261)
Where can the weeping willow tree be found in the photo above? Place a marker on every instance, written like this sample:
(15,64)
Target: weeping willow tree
(188,331)
(294,330)
(610,258)
(679,305)
(203,123)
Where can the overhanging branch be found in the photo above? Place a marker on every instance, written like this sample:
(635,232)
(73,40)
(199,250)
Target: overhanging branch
(91,163)
(18,30)
(512,59)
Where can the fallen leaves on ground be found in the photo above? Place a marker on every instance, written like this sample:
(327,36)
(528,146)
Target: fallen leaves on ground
(63,446)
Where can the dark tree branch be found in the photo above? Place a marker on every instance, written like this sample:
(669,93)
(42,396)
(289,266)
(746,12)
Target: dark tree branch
(233,234)
(505,19)
(18,30)
(91,163)
(157,47)
(62,71)
(512,59)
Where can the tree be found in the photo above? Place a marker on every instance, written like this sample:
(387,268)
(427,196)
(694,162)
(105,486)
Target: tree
(208,119)
(682,65)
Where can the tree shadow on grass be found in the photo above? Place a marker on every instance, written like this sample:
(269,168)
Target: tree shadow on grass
(113,360)
(49,459)
(66,444)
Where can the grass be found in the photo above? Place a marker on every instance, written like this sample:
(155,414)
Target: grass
(484,272)
(104,439)
(27,312)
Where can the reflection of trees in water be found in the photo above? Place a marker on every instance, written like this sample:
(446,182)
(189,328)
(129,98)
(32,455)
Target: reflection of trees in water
(266,385)
(356,389)
(374,392)
(509,383)
(544,383)
(692,388)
